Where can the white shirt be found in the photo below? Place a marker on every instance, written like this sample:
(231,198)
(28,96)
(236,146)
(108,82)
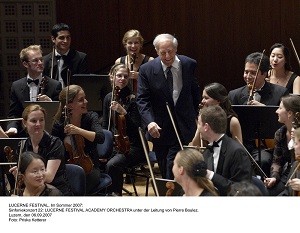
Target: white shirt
(34,89)
(60,64)
(177,77)
(216,156)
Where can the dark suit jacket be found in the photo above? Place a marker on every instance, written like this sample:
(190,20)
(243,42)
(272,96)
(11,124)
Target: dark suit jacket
(270,94)
(233,166)
(153,94)
(75,61)
(19,93)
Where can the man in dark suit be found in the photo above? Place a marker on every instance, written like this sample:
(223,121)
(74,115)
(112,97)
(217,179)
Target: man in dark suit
(33,87)
(64,57)
(169,78)
(265,93)
(226,159)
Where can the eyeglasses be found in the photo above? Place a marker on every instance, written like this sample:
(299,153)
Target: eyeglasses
(36,60)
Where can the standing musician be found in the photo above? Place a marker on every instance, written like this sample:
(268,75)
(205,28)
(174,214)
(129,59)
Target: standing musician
(47,146)
(133,44)
(265,93)
(33,87)
(63,58)
(168,78)
(281,72)
(122,102)
(284,154)
(87,126)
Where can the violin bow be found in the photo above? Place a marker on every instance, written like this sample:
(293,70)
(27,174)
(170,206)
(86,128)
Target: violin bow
(142,136)
(173,123)
(112,99)
(294,49)
(251,157)
(256,74)
(52,62)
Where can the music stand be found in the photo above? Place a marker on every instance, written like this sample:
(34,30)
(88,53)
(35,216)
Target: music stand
(51,108)
(13,144)
(257,122)
(95,86)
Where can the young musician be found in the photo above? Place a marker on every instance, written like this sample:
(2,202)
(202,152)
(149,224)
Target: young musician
(133,44)
(283,155)
(123,103)
(81,131)
(49,147)
(32,174)
(190,172)
(33,87)
(64,57)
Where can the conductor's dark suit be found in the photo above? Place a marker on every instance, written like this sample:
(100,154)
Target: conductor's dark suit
(233,166)
(152,96)
(19,93)
(75,61)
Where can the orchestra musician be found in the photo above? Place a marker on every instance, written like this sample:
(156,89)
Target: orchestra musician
(47,146)
(226,159)
(86,124)
(216,94)
(293,183)
(63,57)
(33,87)
(190,171)
(284,154)
(133,44)
(169,78)
(281,71)
(124,103)
(32,175)
(265,94)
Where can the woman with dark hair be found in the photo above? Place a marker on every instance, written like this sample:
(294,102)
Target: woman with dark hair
(190,172)
(283,155)
(32,175)
(281,71)
(216,94)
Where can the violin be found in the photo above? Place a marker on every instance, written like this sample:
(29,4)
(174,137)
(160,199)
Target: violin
(134,81)
(11,158)
(74,144)
(43,85)
(122,142)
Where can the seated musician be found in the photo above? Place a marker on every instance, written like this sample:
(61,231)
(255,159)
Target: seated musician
(122,102)
(293,183)
(264,93)
(226,159)
(32,177)
(33,87)
(216,94)
(81,131)
(283,155)
(49,147)
(190,171)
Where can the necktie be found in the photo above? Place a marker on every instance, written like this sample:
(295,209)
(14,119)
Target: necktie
(58,57)
(214,144)
(170,79)
(36,81)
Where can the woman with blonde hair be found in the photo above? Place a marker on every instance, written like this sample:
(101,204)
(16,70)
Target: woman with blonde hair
(190,172)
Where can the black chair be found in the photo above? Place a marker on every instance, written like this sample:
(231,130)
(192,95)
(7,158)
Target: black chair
(76,177)
(260,184)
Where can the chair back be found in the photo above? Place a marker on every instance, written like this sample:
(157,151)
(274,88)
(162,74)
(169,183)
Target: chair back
(76,177)
(105,149)
(260,184)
